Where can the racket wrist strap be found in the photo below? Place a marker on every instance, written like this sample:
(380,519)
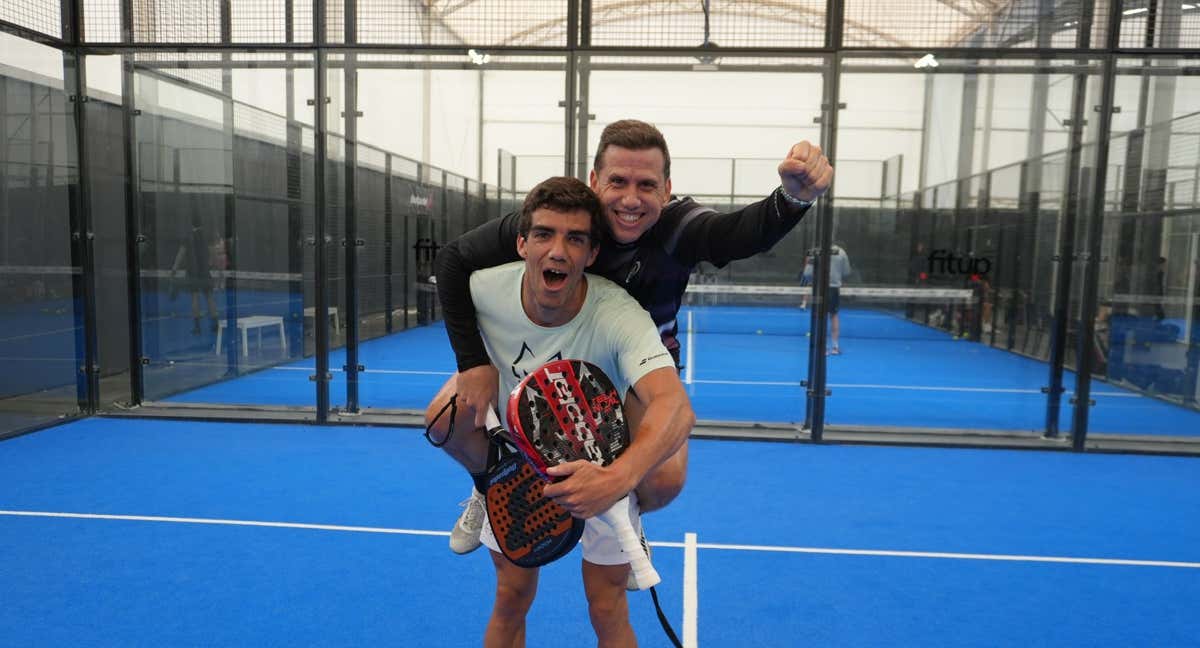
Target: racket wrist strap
(451,405)
(662,619)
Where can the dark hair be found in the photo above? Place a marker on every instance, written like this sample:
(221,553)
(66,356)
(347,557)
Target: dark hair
(563,195)
(636,136)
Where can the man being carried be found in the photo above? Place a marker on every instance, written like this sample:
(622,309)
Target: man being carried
(543,309)
(656,241)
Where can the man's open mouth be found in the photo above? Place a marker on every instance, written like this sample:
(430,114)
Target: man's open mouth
(554,278)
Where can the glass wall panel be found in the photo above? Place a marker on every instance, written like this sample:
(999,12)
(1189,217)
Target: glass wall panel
(945,320)
(224,176)
(961,196)
(424,138)
(108,203)
(41,315)
(1147,348)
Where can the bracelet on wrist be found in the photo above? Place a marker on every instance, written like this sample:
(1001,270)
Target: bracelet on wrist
(790,199)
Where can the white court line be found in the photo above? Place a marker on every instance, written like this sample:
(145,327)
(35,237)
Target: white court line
(28,336)
(790,383)
(56,332)
(691,363)
(998,390)
(770,383)
(690,596)
(251,523)
(989,390)
(953,556)
(679,545)
(378,371)
(803,316)
(688,380)
(691,346)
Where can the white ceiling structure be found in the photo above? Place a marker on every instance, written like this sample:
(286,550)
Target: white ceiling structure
(732,23)
(614,23)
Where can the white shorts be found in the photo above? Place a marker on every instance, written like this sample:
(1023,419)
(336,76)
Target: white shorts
(600,546)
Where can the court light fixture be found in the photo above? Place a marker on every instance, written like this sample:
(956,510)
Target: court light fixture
(1187,6)
(708,59)
(1130,12)
(926,61)
(477,57)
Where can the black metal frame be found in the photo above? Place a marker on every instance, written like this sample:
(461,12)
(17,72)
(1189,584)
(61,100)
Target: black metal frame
(37,36)
(233,349)
(83,252)
(815,385)
(1095,224)
(579,59)
(133,235)
(320,240)
(351,242)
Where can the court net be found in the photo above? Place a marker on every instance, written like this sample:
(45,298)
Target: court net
(864,311)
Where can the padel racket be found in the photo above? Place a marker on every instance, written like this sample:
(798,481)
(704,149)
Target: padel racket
(531,529)
(567,410)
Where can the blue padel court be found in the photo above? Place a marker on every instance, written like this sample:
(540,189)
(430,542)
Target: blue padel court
(164,533)
(934,270)
(746,364)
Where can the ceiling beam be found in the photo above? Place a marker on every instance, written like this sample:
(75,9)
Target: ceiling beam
(775,10)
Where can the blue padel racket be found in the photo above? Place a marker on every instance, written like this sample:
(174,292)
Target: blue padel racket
(568,410)
(531,530)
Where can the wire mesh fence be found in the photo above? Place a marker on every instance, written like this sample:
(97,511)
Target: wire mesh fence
(711,27)
(708,25)
(1160,24)
(967,23)
(232,161)
(43,16)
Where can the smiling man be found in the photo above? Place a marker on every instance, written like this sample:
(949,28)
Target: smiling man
(546,308)
(656,240)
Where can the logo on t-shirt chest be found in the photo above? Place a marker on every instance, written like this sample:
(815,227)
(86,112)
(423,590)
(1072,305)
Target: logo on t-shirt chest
(527,360)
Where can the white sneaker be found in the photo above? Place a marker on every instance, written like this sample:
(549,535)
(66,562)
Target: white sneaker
(464,538)
(631,582)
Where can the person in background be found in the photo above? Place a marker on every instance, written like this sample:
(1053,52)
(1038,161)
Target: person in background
(195,260)
(839,269)
(806,276)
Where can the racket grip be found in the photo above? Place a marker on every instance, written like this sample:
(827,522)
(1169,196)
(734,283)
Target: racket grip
(617,518)
(492,421)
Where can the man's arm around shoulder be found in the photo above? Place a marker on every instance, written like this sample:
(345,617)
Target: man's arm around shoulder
(488,245)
